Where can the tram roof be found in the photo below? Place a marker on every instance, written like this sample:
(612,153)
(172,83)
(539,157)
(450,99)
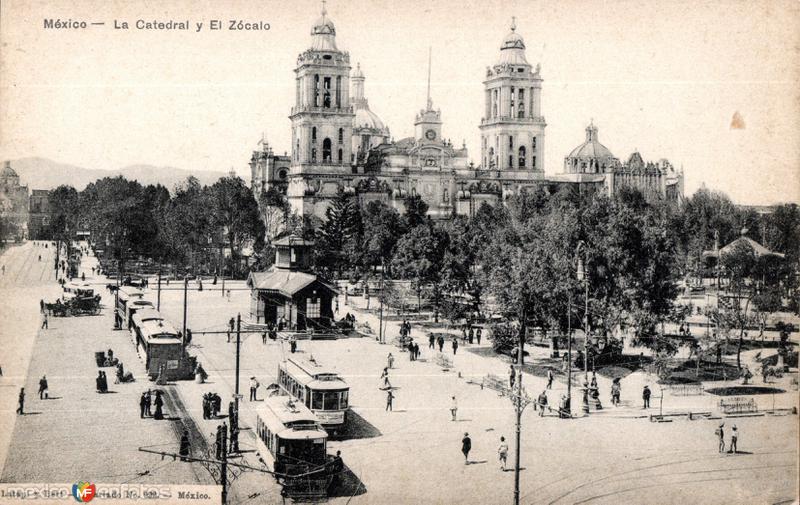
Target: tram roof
(279,416)
(130,292)
(147,314)
(313,374)
(84,285)
(160,331)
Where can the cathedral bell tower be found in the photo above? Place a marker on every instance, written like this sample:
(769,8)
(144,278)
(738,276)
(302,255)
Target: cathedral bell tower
(512,129)
(322,118)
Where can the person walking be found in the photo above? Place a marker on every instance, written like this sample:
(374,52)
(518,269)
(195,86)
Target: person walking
(549,379)
(43,387)
(185,448)
(455,345)
(471,335)
(542,401)
(502,450)
(466,446)
(453,408)
(21,400)
(148,402)
(390,360)
(512,376)
(720,432)
(478,335)
(41,306)
(159,403)
(389,398)
(44,321)
(233,447)
(734,439)
(385,379)
(253,389)
(615,392)
(264,338)
(440,341)
(646,397)
(142,406)
(431,341)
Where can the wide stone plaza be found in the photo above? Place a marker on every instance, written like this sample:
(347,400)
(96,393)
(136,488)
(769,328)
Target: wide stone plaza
(410,455)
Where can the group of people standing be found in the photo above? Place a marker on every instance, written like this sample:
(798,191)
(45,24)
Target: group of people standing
(147,400)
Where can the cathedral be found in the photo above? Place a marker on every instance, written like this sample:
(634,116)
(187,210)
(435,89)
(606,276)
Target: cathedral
(340,145)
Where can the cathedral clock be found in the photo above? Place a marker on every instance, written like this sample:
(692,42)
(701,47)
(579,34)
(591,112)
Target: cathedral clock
(430,134)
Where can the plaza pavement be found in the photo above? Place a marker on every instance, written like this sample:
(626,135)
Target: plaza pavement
(409,456)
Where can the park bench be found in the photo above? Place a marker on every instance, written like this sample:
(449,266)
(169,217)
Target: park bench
(495,383)
(444,361)
(738,405)
(686,389)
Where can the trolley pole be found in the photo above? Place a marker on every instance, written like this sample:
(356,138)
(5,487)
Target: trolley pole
(519,407)
(238,348)
(185,305)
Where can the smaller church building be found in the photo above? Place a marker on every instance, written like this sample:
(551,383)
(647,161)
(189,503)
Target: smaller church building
(288,295)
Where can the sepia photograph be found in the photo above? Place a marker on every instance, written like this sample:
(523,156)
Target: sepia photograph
(523,252)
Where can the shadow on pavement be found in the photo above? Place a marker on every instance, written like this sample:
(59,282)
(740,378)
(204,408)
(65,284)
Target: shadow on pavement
(346,484)
(356,427)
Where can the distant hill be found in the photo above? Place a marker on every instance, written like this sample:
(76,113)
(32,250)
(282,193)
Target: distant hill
(42,173)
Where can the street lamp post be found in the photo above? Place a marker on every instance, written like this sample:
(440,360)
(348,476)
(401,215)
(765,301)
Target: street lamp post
(583,277)
(521,400)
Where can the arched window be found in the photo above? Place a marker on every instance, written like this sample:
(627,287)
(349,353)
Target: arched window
(510,161)
(297,150)
(521,107)
(533,161)
(313,134)
(522,157)
(494,104)
(445,196)
(491,156)
(326,150)
(533,144)
(316,90)
(338,91)
(340,155)
(313,154)
(326,100)
(341,135)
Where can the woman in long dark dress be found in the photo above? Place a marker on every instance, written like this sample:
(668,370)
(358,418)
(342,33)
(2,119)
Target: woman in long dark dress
(158,403)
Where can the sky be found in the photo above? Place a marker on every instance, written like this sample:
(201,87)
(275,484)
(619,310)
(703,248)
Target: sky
(663,78)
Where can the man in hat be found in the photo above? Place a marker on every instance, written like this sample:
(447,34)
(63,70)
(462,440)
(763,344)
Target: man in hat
(466,446)
(43,387)
(721,434)
(646,397)
(734,438)
(253,389)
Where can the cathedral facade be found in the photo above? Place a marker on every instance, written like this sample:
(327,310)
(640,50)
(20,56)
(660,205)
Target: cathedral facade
(340,145)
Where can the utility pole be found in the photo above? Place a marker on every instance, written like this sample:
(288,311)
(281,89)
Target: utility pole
(185,305)
(521,400)
(117,318)
(380,324)
(222,446)
(569,354)
(238,347)
(158,296)
(223,284)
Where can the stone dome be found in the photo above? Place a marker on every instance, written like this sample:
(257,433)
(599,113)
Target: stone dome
(8,171)
(512,50)
(592,148)
(365,118)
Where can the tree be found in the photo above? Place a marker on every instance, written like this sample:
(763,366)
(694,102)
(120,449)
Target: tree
(339,237)
(188,221)
(418,256)
(739,266)
(275,211)
(382,228)
(237,216)
(765,302)
(416,211)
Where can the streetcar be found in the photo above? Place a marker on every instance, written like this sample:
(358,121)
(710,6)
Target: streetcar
(319,388)
(160,345)
(77,289)
(290,440)
(126,296)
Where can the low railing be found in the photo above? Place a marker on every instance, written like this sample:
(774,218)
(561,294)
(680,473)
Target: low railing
(738,405)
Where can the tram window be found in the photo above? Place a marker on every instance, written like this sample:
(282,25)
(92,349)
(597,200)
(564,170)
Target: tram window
(316,403)
(331,401)
(344,399)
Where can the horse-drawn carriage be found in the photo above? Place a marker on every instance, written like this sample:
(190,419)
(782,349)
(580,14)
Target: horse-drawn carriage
(76,306)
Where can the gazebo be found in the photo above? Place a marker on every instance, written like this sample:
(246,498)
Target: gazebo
(288,294)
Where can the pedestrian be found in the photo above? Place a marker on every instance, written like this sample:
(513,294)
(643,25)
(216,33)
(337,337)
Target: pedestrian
(44,321)
(734,438)
(43,387)
(185,448)
(466,446)
(253,389)
(206,406)
(389,398)
(440,341)
(645,397)
(159,403)
(83,276)
(512,376)
(542,401)
(264,338)
(41,306)
(478,335)
(502,452)
(431,341)
(21,400)
(453,408)
(471,334)
(455,345)
(229,295)
(142,405)
(390,360)
(416,351)
(232,324)
(385,379)
(148,402)
(549,379)
(233,447)
(615,392)
(720,432)
(293,344)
